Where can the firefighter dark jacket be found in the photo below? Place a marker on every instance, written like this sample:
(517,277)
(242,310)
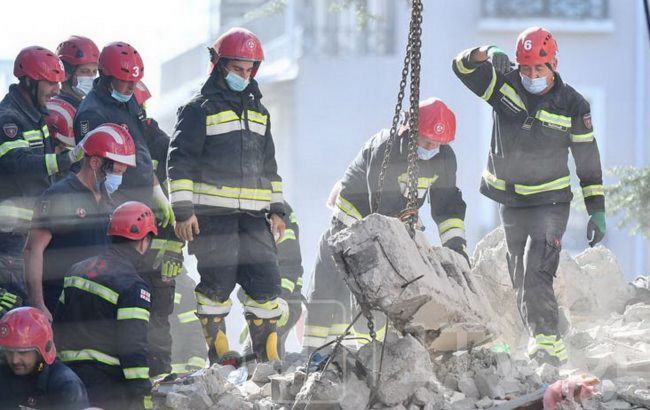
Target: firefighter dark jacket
(528,161)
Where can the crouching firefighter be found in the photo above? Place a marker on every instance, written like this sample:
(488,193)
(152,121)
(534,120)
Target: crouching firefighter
(329,308)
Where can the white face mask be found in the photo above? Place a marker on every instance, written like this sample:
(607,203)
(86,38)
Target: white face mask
(84,85)
(426,154)
(534,85)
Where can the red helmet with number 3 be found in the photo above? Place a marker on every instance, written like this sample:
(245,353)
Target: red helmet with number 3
(25,329)
(59,121)
(238,44)
(110,141)
(536,45)
(39,63)
(132,220)
(78,50)
(437,122)
(122,61)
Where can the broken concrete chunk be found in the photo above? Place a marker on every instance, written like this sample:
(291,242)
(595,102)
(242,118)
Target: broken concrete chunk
(485,402)
(232,401)
(321,391)
(412,282)
(547,373)
(177,401)
(263,371)
(607,390)
(356,394)
(467,386)
(405,368)
(488,385)
(636,396)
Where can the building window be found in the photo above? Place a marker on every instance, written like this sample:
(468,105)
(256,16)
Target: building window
(551,9)
(362,27)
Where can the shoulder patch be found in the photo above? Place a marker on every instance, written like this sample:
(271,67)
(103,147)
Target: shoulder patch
(84,127)
(145,295)
(10,130)
(587,120)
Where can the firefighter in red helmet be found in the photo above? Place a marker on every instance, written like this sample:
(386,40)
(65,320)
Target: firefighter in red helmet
(537,119)
(71,216)
(227,195)
(80,58)
(30,375)
(102,319)
(112,100)
(27,156)
(329,307)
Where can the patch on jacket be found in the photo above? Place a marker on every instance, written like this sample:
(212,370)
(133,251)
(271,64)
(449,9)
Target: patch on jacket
(84,127)
(587,120)
(145,295)
(10,129)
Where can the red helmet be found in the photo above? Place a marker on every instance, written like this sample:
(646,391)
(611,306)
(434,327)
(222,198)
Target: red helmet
(535,45)
(238,44)
(27,328)
(141,93)
(110,141)
(122,61)
(39,64)
(437,121)
(78,50)
(132,220)
(59,121)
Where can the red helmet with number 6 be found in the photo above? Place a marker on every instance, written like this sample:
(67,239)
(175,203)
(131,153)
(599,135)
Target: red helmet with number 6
(437,122)
(122,61)
(59,121)
(238,44)
(536,45)
(110,141)
(25,329)
(78,50)
(132,220)
(39,63)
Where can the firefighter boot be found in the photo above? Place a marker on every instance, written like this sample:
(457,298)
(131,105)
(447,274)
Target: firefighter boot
(264,337)
(214,331)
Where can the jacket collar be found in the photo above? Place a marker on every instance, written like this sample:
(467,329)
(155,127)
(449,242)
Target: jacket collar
(26,106)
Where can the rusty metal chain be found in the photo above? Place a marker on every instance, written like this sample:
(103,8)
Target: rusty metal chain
(412,170)
(412,66)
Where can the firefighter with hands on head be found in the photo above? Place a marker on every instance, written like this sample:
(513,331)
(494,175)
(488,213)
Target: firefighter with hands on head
(227,195)
(28,161)
(71,216)
(80,57)
(103,314)
(111,100)
(31,375)
(329,306)
(538,118)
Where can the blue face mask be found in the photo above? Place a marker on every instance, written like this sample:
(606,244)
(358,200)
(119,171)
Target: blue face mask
(534,85)
(236,83)
(112,182)
(123,98)
(425,154)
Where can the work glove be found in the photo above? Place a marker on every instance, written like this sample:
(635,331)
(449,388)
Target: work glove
(458,245)
(8,301)
(596,228)
(163,207)
(500,60)
(169,258)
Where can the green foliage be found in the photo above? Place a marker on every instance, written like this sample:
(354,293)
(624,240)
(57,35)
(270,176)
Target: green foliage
(631,198)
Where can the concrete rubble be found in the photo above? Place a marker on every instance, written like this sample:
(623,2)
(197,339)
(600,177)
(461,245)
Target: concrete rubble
(439,353)
(423,289)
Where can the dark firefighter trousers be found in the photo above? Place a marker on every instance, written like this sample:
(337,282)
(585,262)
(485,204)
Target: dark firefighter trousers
(534,240)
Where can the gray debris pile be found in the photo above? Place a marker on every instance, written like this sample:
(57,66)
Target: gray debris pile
(437,309)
